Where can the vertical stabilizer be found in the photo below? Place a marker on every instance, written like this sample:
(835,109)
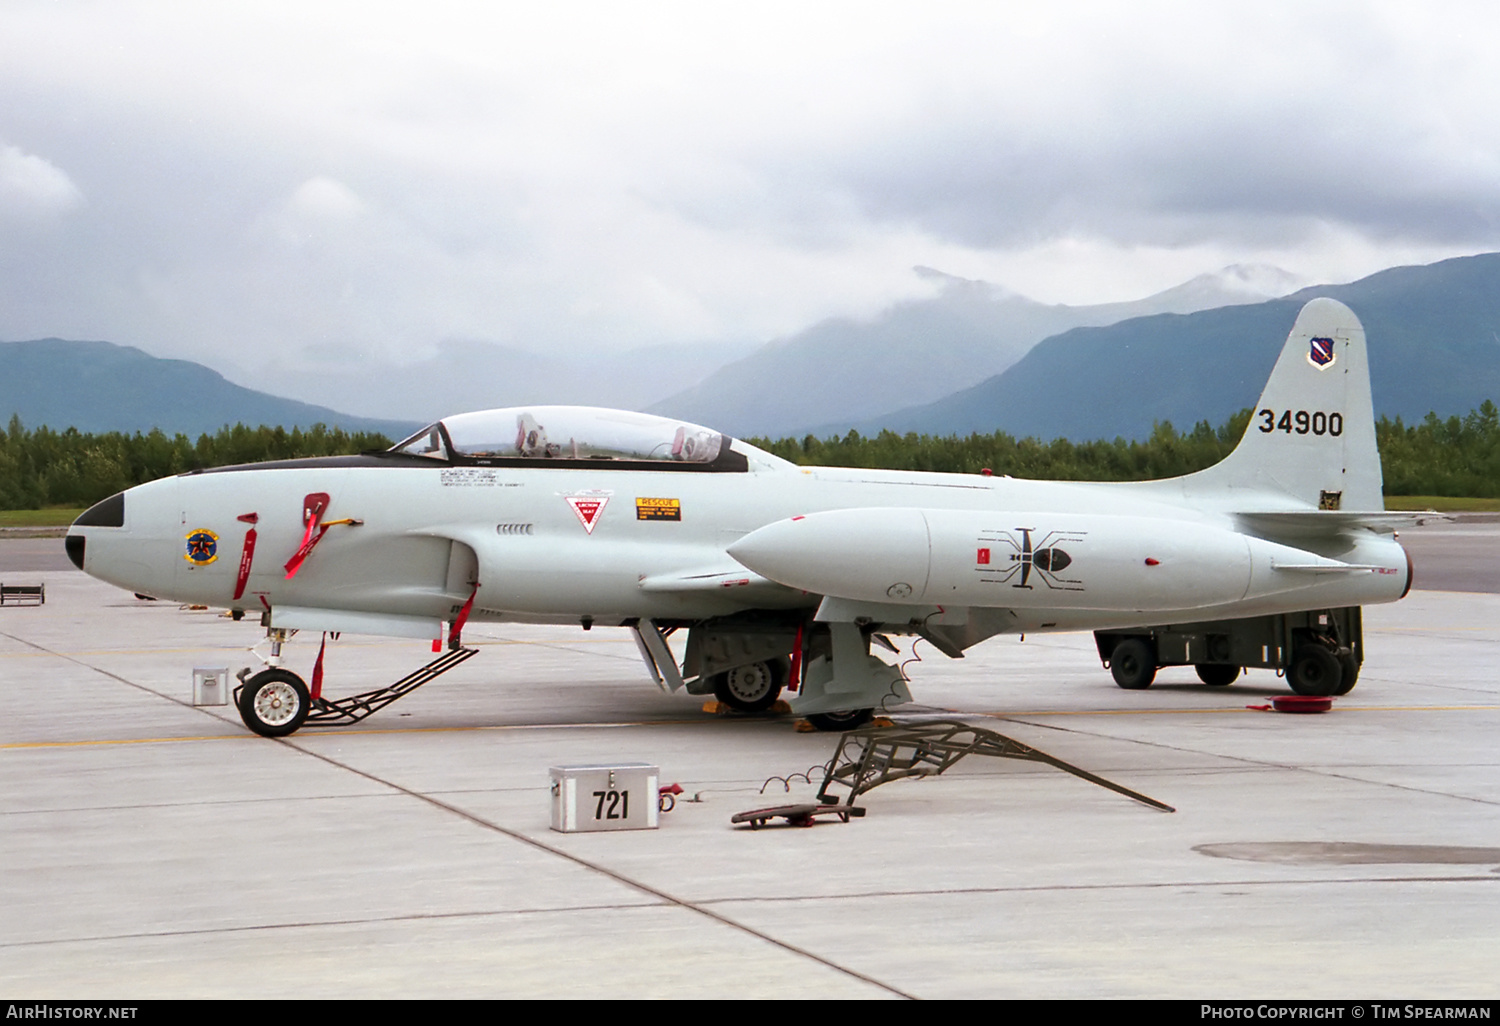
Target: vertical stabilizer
(1310,443)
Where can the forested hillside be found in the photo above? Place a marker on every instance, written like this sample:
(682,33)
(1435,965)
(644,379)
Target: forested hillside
(1459,456)
(68,468)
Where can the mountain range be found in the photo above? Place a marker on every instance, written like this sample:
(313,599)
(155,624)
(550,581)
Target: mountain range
(1100,371)
(1434,339)
(844,371)
(100,386)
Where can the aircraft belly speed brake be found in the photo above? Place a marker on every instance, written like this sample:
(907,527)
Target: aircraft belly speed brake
(782,576)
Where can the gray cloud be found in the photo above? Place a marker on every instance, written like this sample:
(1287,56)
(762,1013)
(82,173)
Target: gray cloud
(259,185)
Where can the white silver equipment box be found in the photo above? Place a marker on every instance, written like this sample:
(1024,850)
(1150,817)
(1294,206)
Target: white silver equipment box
(619,797)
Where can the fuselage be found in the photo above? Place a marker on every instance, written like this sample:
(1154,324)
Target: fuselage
(545,540)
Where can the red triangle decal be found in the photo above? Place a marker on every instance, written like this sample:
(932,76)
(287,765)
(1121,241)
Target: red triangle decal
(589,510)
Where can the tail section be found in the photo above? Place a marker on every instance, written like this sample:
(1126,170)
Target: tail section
(1310,444)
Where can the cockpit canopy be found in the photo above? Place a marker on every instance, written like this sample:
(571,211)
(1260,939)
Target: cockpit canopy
(565,433)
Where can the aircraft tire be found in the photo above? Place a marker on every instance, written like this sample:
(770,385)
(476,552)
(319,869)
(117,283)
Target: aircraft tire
(1133,664)
(274,703)
(844,719)
(1315,671)
(1217,675)
(1351,674)
(751,688)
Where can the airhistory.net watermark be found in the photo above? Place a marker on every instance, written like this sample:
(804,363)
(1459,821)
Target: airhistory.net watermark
(68,1010)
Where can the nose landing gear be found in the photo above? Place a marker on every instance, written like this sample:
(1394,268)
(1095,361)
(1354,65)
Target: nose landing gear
(276,702)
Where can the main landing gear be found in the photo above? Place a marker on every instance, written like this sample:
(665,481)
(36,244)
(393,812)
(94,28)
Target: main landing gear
(276,702)
(754,688)
(751,688)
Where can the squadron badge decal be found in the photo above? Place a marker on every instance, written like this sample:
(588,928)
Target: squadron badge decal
(202,547)
(1320,353)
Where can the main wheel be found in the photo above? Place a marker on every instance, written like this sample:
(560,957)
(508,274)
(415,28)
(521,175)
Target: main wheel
(1315,671)
(1217,674)
(1133,664)
(844,719)
(274,703)
(753,687)
(1350,667)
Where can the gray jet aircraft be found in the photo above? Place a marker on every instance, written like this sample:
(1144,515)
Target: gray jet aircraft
(782,576)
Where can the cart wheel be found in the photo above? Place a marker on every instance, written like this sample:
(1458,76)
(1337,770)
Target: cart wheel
(1217,675)
(274,703)
(1315,671)
(1133,664)
(1351,674)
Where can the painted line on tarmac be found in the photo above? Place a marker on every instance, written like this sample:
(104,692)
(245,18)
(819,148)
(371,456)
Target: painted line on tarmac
(619,877)
(313,733)
(1225,709)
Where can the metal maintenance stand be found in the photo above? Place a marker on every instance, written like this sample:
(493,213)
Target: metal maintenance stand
(871,756)
(338,712)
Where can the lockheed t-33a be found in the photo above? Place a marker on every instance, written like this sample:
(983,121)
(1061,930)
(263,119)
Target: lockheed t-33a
(783,576)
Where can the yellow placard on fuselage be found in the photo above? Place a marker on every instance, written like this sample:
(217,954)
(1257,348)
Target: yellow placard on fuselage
(658,509)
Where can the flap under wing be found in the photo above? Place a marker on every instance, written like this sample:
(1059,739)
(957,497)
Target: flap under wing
(717,580)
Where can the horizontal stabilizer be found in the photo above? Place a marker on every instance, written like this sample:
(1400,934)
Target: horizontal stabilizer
(1324,522)
(1326,568)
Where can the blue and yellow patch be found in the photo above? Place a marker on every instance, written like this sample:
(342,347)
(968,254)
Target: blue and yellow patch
(202,547)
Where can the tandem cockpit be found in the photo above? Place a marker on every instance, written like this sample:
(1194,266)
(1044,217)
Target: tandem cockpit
(578,436)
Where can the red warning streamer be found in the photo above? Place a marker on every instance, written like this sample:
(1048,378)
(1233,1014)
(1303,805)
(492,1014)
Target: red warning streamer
(795,676)
(247,555)
(313,508)
(455,633)
(316,690)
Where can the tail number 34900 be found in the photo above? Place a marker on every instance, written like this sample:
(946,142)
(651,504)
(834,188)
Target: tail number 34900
(1302,422)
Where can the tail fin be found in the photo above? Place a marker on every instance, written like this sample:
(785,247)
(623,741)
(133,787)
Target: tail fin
(1310,443)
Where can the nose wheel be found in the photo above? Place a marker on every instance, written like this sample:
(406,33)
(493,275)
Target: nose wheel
(274,703)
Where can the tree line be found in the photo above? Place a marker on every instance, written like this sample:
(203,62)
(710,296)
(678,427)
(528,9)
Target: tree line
(43,467)
(1459,456)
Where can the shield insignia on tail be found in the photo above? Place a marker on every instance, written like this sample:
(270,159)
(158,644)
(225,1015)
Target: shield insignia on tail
(1320,353)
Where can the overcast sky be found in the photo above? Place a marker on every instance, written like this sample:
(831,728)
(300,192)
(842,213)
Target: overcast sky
(269,186)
